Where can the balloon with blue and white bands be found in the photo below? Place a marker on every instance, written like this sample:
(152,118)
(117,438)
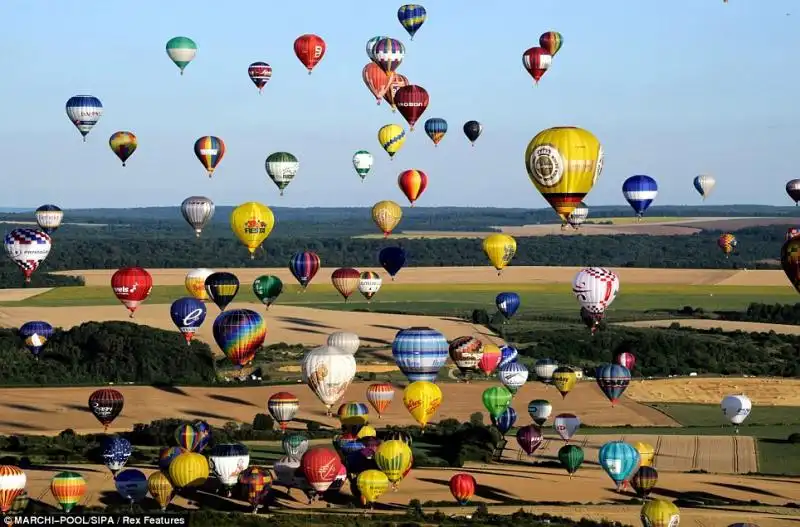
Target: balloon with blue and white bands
(640,191)
(544,369)
(513,376)
(508,354)
(84,111)
(505,421)
(420,353)
(507,304)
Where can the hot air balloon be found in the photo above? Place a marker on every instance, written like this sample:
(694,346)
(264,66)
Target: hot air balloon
(392,259)
(221,288)
(420,353)
(578,215)
(166,455)
(513,376)
(267,289)
(790,261)
(132,286)
(391,137)
(227,461)
(285,470)
(592,319)
(257,482)
(566,425)
(106,404)
(393,459)
(123,144)
(793,189)
(328,371)
(551,41)
(496,399)
(294,444)
(595,288)
(727,243)
(704,184)
(462,487)
(35,334)
(411,101)
(320,465)
(490,359)
(388,54)
(508,354)
(412,183)
(345,280)
(736,408)
(309,49)
(188,314)
(260,73)
(12,484)
(48,218)
(507,304)
(370,48)
(20,504)
(131,485)
(239,333)
(380,395)
(646,453)
(466,352)
(84,111)
(571,458)
(181,51)
(473,130)
(436,128)
(187,437)
(563,164)
(791,232)
(281,168)
(644,480)
(345,341)
(640,191)
(203,435)
(619,460)
(116,451)
(529,438)
(386,215)
(376,80)
(283,406)
(369,284)
(188,470)
(197,211)
(372,484)
(304,266)
(612,379)
(362,162)
(626,359)
(27,248)
(536,61)
(252,222)
(396,82)
(660,513)
(540,410)
(68,489)
(544,370)
(195,283)
(412,16)
(209,150)
(160,487)
(564,380)
(500,249)
(505,421)
(422,399)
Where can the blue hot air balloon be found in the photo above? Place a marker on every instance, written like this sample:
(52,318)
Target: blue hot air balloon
(620,460)
(507,304)
(392,259)
(505,421)
(35,334)
(116,451)
(131,484)
(612,379)
(84,111)
(203,435)
(188,313)
(420,353)
(640,191)
(436,128)
(508,354)
(412,16)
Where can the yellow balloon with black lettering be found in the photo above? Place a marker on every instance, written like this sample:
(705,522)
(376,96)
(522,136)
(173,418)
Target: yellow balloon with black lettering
(422,399)
(563,164)
(646,453)
(564,379)
(252,222)
(392,137)
(500,249)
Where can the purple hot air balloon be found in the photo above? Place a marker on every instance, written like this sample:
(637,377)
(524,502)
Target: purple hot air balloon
(529,438)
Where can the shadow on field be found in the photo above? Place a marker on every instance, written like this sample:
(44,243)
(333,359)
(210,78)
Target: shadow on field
(304,322)
(745,488)
(698,496)
(384,326)
(482,491)
(371,340)
(76,408)
(305,330)
(23,407)
(229,399)
(168,388)
(207,415)
(20,426)
(72,468)
(307,421)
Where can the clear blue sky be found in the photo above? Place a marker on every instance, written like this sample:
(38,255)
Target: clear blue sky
(672,88)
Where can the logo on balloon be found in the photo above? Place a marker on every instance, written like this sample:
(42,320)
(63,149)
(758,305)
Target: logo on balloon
(255,226)
(546,165)
(192,318)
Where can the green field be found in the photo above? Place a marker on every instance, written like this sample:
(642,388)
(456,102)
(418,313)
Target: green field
(632,219)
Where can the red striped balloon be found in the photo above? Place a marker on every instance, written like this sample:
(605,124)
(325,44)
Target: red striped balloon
(106,404)
(283,407)
(12,483)
(380,396)
(345,280)
(412,183)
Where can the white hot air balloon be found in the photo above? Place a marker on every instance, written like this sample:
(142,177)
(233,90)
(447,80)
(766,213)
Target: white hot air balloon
(345,341)
(736,408)
(12,484)
(328,371)
(84,111)
(704,184)
(228,460)
(285,469)
(197,211)
(27,248)
(578,216)
(566,425)
(49,217)
(513,375)
(595,288)
(362,162)
(544,370)
(369,284)
(195,282)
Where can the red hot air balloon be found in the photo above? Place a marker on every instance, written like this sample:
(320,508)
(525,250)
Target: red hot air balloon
(12,484)
(346,280)
(376,80)
(106,404)
(260,73)
(413,183)
(462,487)
(627,359)
(411,101)
(309,49)
(320,465)
(132,285)
(536,61)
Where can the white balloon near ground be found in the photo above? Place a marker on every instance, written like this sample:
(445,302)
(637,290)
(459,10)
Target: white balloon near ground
(328,371)
(345,341)
(736,408)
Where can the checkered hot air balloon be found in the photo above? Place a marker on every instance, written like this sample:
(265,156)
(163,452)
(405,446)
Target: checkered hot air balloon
(595,288)
(27,248)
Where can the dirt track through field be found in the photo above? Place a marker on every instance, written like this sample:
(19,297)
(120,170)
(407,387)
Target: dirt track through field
(725,325)
(700,390)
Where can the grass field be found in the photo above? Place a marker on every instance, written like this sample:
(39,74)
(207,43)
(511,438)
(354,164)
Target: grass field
(632,219)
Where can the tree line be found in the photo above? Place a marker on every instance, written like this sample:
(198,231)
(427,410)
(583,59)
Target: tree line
(766,313)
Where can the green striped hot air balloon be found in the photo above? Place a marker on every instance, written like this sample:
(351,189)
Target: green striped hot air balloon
(267,288)
(68,489)
(181,51)
(362,162)
(281,168)
(571,458)
(496,399)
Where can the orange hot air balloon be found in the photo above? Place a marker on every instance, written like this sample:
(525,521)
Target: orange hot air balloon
(413,183)
(309,49)
(397,82)
(380,396)
(376,80)
(462,487)
(68,489)
(345,280)
(12,484)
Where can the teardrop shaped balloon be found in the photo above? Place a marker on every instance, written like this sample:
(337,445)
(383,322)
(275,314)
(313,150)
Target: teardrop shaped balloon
(197,211)
(540,410)
(369,283)
(644,480)
(595,288)
(500,249)
(564,379)
(505,421)
(27,248)
(328,371)
(507,304)
(257,482)
(132,286)
(161,488)
(48,218)
(106,404)
(466,353)
(131,485)
(283,406)
(260,73)
(389,53)
(68,488)
(411,101)
(372,484)
(612,379)
(309,49)
(123,144)
(392,137)
(411,17)
(252,222)
(221,288)
(380,395)
(209,150)
(529,438)
(12,485)
(496,399)
(345,280)
(436,128)
(537,61)
(376,80)
(663,513)
(195,283)
(462,487)
(412,183)
(84,111)
(181,51)
(619,460)
(386,215)
(304,267)
(473,130)
(704,184)
(116,452)
(566,425)
(640,191)
(422,400)
(396,82)
(362,162)
(551,41)
(281,168)
(267,289)
(239,333)
(392,259)
(35,335)
(188,314)
(571,458)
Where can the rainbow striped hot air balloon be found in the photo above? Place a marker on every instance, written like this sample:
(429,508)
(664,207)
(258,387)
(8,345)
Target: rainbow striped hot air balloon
(353,416)
(68,489)
(239,333)
(209,150)
(187,437)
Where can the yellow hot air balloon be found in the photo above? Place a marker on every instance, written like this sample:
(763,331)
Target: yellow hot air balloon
(189,469)
(422,399)
(367,431)
(563,164)
(161,489)
(372,484)
(195,283)
(123,144)
(646,453)
(391,137)
(393,458)
(564,380)
(252,222)
(500,249)
(386,215)
(660,513)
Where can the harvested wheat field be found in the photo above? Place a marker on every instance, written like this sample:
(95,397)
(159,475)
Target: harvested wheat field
(700,390)
(15,295)
(59,408)
(725,325)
